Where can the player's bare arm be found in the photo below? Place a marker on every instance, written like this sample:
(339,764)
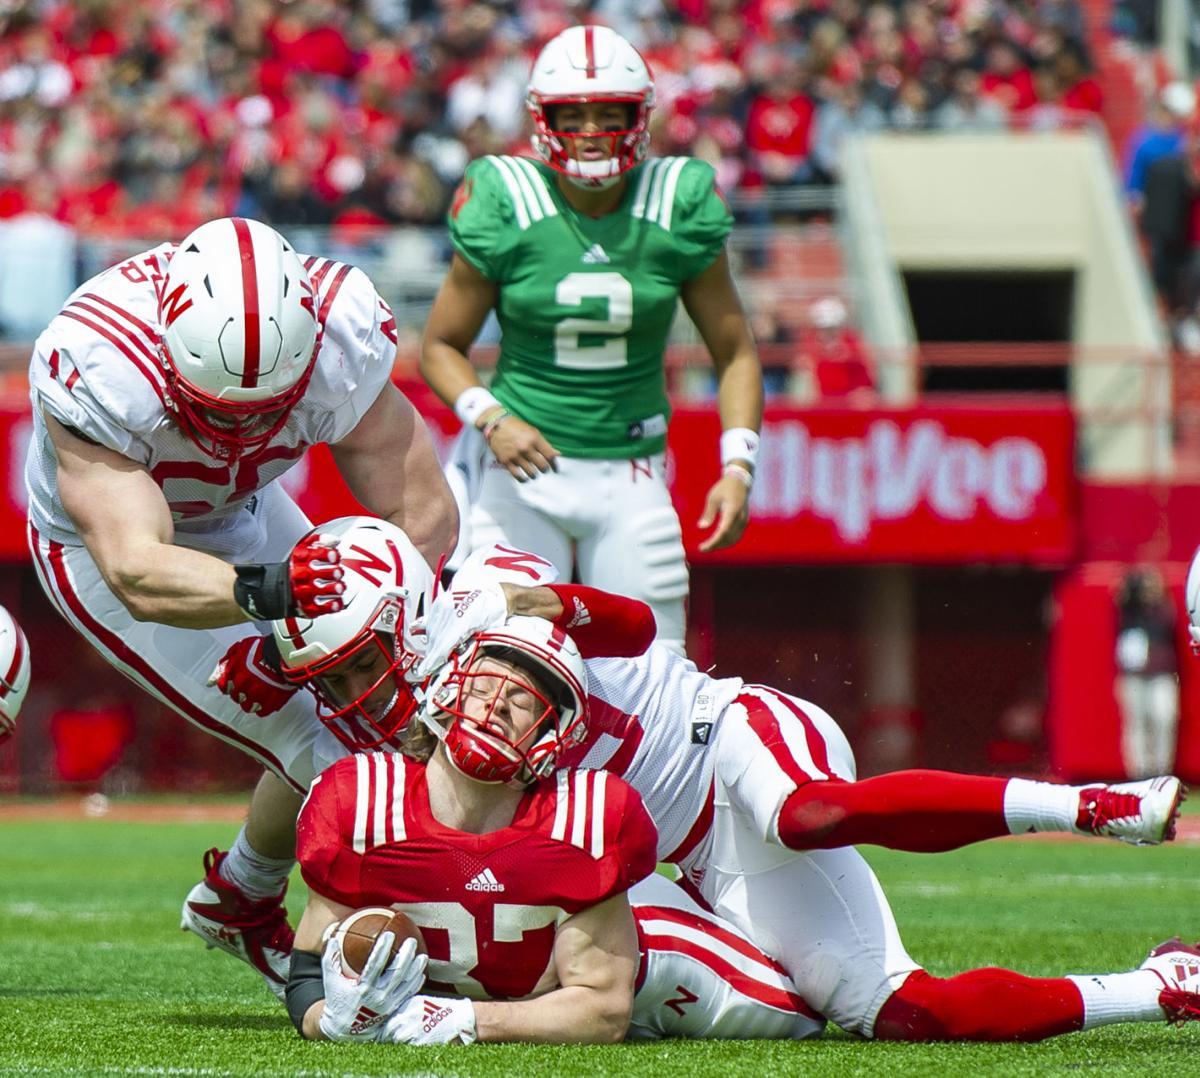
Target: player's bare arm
(389,464)
(125,522)
(712,302)
(595,957)
(458,313)
(319,914)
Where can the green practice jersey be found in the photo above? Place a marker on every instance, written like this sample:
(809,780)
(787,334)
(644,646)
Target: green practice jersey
(586,303)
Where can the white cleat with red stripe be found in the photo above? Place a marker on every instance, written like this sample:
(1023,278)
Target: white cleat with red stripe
(256,931)
(1177,965)
(1143,813)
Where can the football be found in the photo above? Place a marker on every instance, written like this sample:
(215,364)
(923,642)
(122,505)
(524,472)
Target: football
(357,932)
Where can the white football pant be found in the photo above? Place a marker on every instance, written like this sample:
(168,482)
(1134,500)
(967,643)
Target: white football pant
(700,976)
(174,664)
(615,516)
(821,914)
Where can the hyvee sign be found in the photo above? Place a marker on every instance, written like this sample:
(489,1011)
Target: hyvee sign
(949,484)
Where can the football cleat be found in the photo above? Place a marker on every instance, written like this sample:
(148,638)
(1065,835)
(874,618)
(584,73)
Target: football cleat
(256,931)
(1177,965)
(1143,813)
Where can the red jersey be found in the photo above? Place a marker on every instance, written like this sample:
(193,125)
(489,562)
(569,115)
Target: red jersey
(488,905)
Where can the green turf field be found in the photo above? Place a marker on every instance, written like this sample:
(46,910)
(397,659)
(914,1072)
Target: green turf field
(96,978)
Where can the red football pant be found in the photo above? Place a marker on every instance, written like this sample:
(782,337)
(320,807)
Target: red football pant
(980,1005)
(918,811)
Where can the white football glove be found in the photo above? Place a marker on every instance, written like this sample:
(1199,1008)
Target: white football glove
(426,1020)
(457,614)
(357,1007)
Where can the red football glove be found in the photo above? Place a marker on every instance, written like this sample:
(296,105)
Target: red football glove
(308,584)
(246,676)
(315,576)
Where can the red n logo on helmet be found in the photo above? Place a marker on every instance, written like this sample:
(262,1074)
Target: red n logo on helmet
(170,308)
(368,563)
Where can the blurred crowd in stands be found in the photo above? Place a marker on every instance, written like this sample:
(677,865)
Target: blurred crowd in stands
(146,118)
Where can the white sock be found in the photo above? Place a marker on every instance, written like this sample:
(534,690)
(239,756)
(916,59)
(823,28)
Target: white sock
(1120,997)
(1040,806)
(253,874)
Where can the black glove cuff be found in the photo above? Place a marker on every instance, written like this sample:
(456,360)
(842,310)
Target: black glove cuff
(305,986)
(264,591)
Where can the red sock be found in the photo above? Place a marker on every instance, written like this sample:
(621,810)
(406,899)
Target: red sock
(918,811)
(980,1005)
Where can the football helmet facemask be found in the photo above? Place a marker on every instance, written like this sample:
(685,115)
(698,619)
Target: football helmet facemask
(239,335)
(357,662)
(539,682)
(582,65)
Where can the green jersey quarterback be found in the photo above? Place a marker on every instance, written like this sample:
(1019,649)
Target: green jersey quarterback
(585,304)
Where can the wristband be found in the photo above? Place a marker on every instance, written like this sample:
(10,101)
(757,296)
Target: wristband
(472,403)
(739,443)
(489,428)
(263,591)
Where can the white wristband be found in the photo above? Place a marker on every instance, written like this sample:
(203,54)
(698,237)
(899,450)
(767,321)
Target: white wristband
(739,443)
(472,403)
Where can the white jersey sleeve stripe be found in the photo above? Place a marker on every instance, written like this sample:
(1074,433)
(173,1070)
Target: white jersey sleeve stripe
(654,203)
(118,343)
(122,328)
(149,335)
(536,212)
(538,183)
(398,831)
(380,817)
(599,785)
(579,803)
(559,831)
(362,790)
(639,202)
(514,192)
(668,199)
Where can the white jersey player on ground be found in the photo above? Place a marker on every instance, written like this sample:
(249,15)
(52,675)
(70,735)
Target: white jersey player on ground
(755,798)
(170,394)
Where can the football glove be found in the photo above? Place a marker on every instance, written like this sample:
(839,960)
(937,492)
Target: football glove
(426,1020)
(248,674)
(308,584)
(357,1007)
(458,614)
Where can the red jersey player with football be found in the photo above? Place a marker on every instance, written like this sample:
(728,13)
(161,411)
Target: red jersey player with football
(518,881)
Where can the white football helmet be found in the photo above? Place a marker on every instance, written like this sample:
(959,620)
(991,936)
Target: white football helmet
(590,64)
(388,587)
(14,672)
(475,739)
(1192,594)
(239,334)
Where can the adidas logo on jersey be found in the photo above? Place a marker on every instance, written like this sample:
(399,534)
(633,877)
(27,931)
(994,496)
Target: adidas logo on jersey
(580,616)
(595,254)
(485,881)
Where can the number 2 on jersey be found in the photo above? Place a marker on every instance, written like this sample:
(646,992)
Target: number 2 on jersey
(569,349)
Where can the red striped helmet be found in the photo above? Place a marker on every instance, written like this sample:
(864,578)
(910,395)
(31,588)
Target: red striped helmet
(14,672)
(527,671)
(587,64)
(239,334)
(388,585)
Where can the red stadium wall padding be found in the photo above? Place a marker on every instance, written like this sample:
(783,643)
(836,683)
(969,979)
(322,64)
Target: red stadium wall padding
(1083,723)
